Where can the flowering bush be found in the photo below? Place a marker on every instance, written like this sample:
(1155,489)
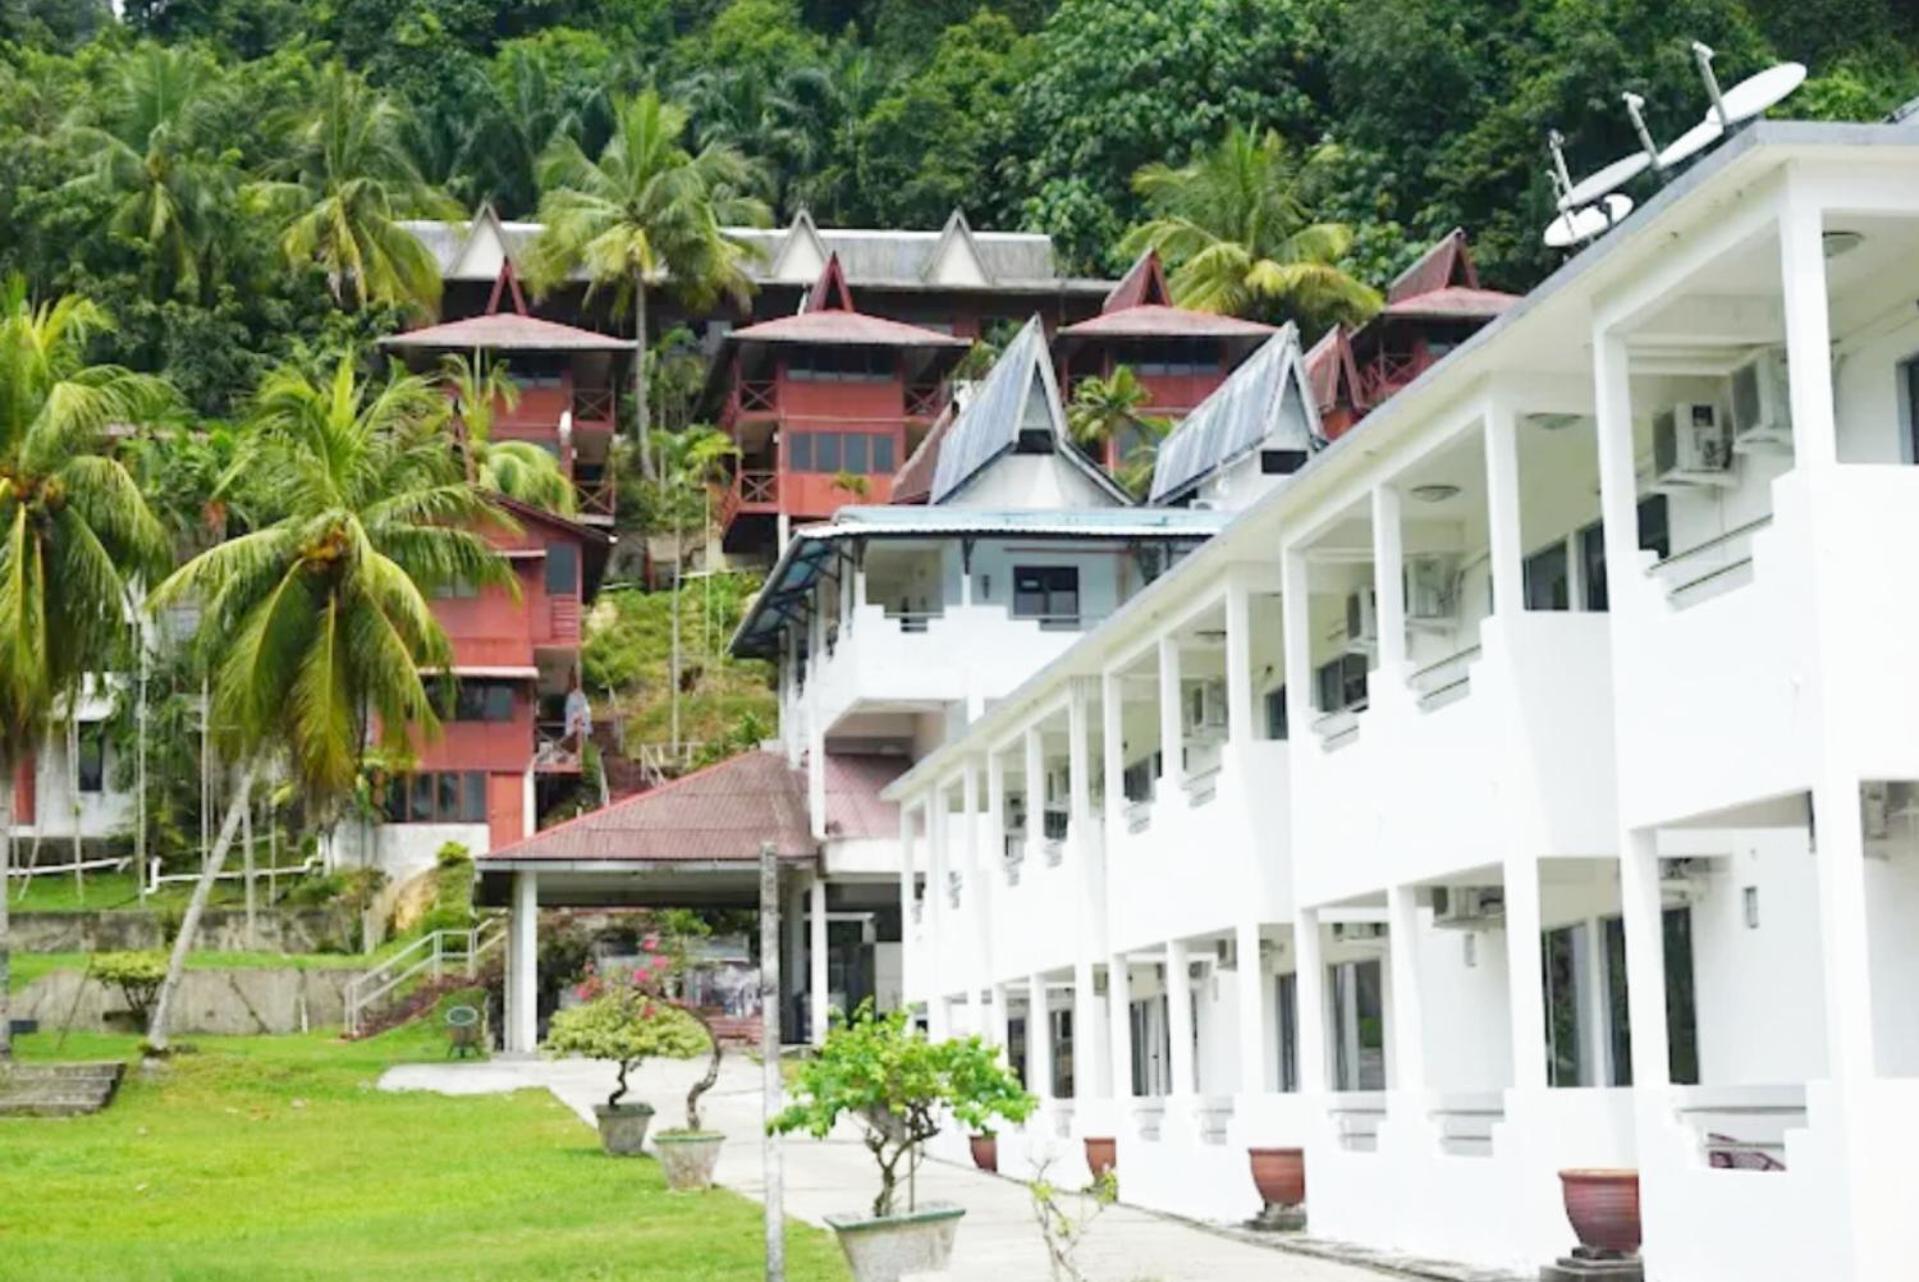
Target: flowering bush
(623,1018)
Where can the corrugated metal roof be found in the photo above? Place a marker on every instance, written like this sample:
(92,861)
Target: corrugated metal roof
(1154,320)
(913,483)
(506,331)
(1266,399)
(990,423)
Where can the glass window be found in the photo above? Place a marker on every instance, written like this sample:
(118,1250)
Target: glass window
(799,452)
(562,569)
(1288,1032)
(92,764)
(1342,683)
(826,452)
(447,796)
(1655,530)
(1548,581)
(1049,593)
(855,453)
(1359,1027)
(474,795)
(1592,566)
(883,455)
(1276,727)
(1565,963)
(420,803)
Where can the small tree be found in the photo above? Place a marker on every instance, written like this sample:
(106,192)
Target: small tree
(898,1084)
(624,1023)
(679,929)
(136,975)
(1065,1228)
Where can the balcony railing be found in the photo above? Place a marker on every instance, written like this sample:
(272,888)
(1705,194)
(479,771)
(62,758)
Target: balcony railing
(925,400)
(757,487)
(1386,373)
(1450,678)
(593,404)
(756,397)
(597,498)
(1694,574)
(556,752)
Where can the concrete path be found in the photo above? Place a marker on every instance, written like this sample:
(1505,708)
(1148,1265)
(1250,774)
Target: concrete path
(998,1240)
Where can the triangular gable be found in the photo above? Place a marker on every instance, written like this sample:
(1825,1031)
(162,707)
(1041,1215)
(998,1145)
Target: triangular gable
(1332,371)
(506,288)
(1143,284)
(956,260)
(1448,263)
(1267,403)
(830,292)
(802,254)
(484,253)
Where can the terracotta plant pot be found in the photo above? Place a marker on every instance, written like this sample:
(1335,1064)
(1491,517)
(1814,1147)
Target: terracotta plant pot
(1604,1208)
(1280,1175)
(1102,1155)
(985,1152)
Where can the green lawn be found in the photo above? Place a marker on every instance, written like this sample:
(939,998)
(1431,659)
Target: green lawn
(59,894)
(27,967)
(273,1157)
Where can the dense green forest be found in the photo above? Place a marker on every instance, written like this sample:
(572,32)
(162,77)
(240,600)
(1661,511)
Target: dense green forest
(160,186)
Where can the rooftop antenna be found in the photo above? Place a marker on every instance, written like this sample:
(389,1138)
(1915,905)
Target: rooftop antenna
(1702,55)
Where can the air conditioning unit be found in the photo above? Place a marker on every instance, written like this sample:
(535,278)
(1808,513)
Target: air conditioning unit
(1762,404)
(1682,881)
(1362,622)
(1690,448)
(1468,907)
(1432,590)
(1367,933)
(1206,706)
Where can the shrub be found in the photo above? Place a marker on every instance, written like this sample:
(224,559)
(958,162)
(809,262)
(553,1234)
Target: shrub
(136,975)
(626,1027)
(896,1083)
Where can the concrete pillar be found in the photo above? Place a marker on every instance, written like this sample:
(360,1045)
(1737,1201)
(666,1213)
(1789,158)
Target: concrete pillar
(938,824)
(1389,585)
(995,827)
(1802,273)
(1091,1061)
(1525,982)
(1172,730)
(1312,1003)
(999,1018)
(1296,580)
(1240,727)
(1039,1039)
(1645,966)
(1839,857)
(1179,1018)
(816,729)
(1618,483)
(979,884)
(1112,706)
(793,964)
(1408,1030)
(1035,795)
(1504,536)
(818,1017)
(1255,1031)
(910,974)
(523,1028)
(1119,1021)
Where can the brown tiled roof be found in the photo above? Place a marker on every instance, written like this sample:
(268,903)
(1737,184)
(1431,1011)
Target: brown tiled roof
(506,331)
(1454,302)
(724,813)
(1329,358)
(1446,262)
(843,328)
(1154,320)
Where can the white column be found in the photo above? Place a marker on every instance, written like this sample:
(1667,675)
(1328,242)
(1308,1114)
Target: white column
(1312,1002)
(1112,707)
(1618,484)
(966,575)
(1525,984)
(995,825)
(978,891)
(910,974)
(999,1019)
(1179,1018)
(1389,585)
(1504,535)
(1119,1010)
(1295,604)
(1172,732)
(1090,1061)
(1255,1033)
(817,981)
(793,969)
(1839,858)
(938,835)
(1240,728)
(523,1033)
(816,727)
(1035,796)
(1802,273)
(1645,966)
(1408,1030)
(1039,1039)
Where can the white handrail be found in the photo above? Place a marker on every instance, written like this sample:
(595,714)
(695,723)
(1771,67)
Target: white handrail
(434,954)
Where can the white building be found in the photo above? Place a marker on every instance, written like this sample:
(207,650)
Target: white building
(1526,784)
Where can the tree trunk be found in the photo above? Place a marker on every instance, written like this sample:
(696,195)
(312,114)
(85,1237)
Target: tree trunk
(642,414)
(774,1194)
(6,923)
(679,560)
(196,907)
(712,1075)
(73,789)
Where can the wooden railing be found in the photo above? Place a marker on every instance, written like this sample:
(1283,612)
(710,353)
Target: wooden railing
(597,498)
(756,397)
(925,400)
(1386,373)
(757,487)
(593,404)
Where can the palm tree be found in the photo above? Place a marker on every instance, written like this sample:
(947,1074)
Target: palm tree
(1103,417)
(518,111)
(690,461)
(351,181)
(150,150)
(75,532)
(648,212)
(1237,224)
(518,469)
(316,620)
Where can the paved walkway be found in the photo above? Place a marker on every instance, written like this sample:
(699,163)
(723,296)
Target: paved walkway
(998,1241)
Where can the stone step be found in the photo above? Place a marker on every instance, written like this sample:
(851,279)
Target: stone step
(58,1090)
(55,1107)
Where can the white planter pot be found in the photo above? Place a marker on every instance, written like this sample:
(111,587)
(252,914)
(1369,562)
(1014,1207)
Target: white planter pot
(886,1250)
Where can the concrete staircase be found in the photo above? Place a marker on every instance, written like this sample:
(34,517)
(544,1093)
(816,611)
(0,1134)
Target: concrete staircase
(58,1090)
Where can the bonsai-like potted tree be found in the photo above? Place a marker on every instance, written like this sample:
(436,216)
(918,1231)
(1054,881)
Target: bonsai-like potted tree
(688,1154)
(623,1021)
(898,1086)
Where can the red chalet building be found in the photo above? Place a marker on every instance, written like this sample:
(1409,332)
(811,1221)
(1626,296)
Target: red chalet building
(1178,354)
(824,406)
(1434,305)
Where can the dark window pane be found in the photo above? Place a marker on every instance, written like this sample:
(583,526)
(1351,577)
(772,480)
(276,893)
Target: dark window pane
(1682,1020)
(1592,565)
(474,809)
(92,763)
(420,803)
(855,453)
(562,569)
(393,805)
(499,701)
(1276,728)
(826,452)
(799,452)
(447,803)
(1655,533)
(883,455)
(1547,584)
(1289,1032)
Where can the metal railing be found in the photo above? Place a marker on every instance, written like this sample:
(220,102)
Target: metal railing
(925,400)
(431,956)
(1711,561)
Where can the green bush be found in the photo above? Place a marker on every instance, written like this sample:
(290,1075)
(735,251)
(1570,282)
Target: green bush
(136,975)
(627,1028)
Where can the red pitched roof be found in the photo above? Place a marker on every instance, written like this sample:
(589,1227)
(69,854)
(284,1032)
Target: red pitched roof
(1155,320)
(1453,302)
(506,331)
(840,327)
(1144,283)
(830,292)
(1446,262)
(723,813)
(1330,363)
(913,483)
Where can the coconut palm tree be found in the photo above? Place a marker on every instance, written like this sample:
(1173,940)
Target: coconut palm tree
(690,461)
(349,181)
(149,148)
(75,532)
(518,469)
(1104,418)
(648,213)
(1238,227)
(316,620)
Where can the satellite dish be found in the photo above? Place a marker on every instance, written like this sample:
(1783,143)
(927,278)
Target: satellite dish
(1751,96)
(1596,186)
(1692,142)
(1586,224)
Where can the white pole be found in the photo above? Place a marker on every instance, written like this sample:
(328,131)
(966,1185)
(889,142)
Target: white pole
(246,872)
(770,1059)
(73,791)
(140,769)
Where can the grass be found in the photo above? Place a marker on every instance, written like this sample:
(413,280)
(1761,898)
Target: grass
(27,967)
(56,893)
(273,1157)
